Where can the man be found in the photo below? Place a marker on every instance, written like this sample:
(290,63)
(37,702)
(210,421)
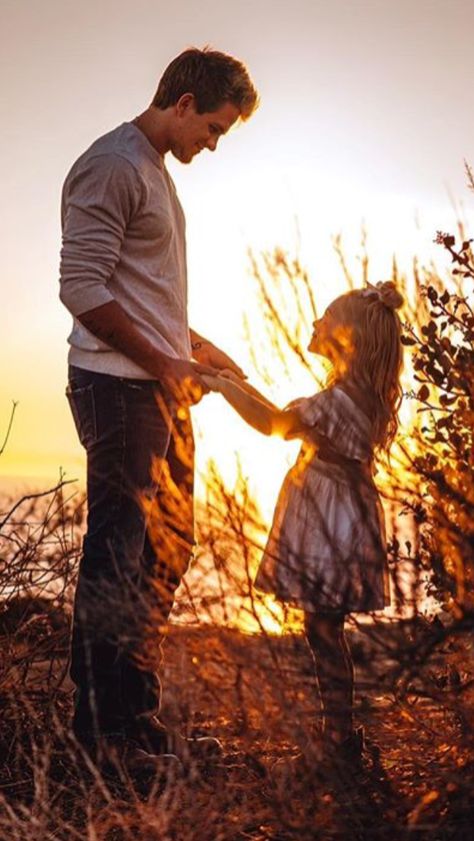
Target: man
(131,381)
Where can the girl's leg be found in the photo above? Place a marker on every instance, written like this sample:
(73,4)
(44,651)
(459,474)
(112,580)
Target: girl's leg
(335,672)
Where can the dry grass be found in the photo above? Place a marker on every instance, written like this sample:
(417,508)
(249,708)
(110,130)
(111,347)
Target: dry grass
(258,694)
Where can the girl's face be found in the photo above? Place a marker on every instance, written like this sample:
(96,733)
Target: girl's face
(324,339)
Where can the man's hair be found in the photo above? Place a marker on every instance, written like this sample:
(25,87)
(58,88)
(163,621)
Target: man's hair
(212,77)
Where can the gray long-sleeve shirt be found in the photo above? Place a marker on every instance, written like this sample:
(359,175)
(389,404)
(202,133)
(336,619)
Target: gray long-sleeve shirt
(124,240)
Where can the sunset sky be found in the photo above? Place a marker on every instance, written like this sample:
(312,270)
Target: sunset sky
(365,116)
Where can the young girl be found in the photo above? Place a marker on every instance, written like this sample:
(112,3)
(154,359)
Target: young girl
(326,552)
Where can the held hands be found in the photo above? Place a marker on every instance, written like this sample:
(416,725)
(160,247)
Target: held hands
(213,382)
(186,380)
(189,381)
(209,354)
(216,382)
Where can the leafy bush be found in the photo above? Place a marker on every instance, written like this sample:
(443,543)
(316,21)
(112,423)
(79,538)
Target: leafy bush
(444,367)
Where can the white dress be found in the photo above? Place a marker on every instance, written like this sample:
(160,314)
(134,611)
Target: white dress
(327,549)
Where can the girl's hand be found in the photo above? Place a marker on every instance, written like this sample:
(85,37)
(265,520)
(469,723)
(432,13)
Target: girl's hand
(229,374)
(212,382)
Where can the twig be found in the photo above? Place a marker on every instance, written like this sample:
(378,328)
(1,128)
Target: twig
(61,484)
(10,424)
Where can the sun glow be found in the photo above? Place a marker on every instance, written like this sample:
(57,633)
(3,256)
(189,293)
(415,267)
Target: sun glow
(316,167)
(264,615)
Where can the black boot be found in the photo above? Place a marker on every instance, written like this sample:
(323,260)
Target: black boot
(119,757)
(151,735)
(344,757)
(351,750)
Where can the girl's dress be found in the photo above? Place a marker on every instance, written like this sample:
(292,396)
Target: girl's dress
(327,549)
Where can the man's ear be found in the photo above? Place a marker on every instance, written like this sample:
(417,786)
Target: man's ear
(185,102)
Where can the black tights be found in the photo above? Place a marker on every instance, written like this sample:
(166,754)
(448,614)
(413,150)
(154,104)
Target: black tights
(335,672)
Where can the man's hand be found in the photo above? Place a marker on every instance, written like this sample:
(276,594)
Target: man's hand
(185,380)
(209,354)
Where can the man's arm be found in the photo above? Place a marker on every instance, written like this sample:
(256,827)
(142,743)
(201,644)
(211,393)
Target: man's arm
(112,325)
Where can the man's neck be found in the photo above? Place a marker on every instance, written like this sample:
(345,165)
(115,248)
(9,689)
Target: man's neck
(153,124)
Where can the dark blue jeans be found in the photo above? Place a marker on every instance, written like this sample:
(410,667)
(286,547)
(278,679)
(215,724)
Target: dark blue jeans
(138,543)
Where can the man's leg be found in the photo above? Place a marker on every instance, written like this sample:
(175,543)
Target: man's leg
(127,436)
(169,540)
(168,546)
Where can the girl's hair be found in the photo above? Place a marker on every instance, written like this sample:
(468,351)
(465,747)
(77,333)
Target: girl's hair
(371,335)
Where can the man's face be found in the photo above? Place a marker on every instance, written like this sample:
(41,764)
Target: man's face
(193,132)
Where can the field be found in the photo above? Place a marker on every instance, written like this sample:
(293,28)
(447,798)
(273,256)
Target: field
(258,695)
(258,692)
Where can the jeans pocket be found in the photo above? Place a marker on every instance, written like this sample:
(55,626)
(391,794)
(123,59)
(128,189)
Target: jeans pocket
(81,402)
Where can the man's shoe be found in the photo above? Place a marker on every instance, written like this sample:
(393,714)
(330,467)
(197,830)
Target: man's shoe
(152,736)
(117,756)
(341,761)
(351,750)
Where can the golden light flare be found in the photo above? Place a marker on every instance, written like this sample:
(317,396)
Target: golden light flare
(263,614)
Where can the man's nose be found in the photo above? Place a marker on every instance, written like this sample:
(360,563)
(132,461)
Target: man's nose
(212,143)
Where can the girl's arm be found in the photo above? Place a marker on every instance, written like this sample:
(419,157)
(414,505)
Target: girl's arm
(255,409)
(228,374)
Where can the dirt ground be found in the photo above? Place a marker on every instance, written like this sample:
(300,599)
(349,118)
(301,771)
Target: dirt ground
(258,695)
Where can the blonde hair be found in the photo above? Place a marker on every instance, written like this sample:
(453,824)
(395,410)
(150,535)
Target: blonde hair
(373,353)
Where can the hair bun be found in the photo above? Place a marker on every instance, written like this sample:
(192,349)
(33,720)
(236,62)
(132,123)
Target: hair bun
(389,294)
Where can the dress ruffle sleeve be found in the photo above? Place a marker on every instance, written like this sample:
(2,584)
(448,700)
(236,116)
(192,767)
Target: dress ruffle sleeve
(314,410)
(332,414)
